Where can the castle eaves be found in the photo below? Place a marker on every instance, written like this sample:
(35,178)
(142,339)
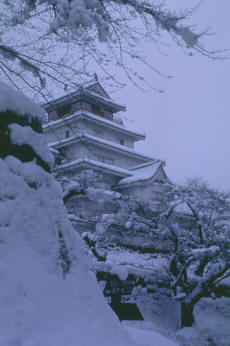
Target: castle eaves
(89,93)
(143,174)
(101,142)
(92,164)
(95,118)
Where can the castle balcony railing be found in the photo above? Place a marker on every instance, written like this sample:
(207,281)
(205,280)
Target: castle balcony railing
(114,118)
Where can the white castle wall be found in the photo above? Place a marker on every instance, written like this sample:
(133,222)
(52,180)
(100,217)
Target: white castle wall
(77,150)
(71,128)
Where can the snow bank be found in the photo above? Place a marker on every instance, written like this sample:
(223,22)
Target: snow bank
(38,305)
(149,337)
(17,102)
(48,296)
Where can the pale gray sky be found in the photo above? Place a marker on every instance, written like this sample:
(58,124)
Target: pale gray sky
(188,125)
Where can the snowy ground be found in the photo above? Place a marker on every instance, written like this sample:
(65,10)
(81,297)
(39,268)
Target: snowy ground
(212,327)
(148,337)
(212,324)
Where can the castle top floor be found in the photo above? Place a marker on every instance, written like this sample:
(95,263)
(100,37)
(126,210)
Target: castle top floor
(90,97)
(91,111)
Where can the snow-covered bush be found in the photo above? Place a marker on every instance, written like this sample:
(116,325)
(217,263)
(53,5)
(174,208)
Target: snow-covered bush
(48,295)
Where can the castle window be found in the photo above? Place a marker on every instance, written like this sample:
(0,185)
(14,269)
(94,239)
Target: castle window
(121,141)
(98,109)
(67,134)
(64,110)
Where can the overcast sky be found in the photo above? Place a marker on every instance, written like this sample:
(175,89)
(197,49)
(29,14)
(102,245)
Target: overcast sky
(188,125)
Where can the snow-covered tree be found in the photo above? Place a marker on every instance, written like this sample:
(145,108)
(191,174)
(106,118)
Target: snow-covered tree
(200,261)
(202,258)
(207,207)
(197,274)
(59,39)
(48,295)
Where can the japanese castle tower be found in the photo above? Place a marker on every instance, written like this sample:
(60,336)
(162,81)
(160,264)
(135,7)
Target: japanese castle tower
(84,132)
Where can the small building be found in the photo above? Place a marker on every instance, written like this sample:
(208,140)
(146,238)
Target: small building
(85,132)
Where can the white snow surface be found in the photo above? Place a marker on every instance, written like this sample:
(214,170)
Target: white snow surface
(15,101)
(183,208)
(149,337)
(212,318)
(25,135)
(120,271)
(39,306)
(124,262)
(142,174)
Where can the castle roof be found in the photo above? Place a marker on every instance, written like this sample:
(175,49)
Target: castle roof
(84,137)
(93,91)
(83,114)
(84,162)
(144,173)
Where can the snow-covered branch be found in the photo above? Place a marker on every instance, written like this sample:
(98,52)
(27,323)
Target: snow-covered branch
(58,40)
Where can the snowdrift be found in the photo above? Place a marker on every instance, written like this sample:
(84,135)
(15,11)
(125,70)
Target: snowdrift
(48,296)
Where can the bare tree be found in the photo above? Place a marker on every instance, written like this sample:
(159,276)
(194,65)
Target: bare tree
(57,41)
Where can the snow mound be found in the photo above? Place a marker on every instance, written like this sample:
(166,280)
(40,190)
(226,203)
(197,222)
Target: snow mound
(48,296)
(149,337)
(120,271)
(17,102)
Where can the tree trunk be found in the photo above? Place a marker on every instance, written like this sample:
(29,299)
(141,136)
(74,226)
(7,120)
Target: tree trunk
(187,317)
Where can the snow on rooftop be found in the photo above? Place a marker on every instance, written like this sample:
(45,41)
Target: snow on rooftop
(101,141)
(145,172)
(85,87)
(17,102)
(94,117)
(119,170)
(102,98)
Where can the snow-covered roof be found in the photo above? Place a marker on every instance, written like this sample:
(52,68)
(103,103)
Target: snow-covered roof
(121,172)
(17,102)
(105,100)
(99,141)
(95,118)
(142,173)
(89,89)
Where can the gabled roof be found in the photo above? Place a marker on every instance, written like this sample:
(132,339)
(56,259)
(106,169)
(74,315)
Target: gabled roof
(94,90)
(97,88)
(144,173)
